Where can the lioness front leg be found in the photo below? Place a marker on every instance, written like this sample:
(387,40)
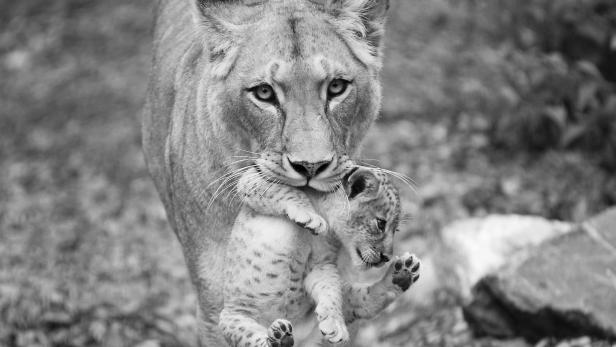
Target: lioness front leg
(323,284)
(366,301)
(277,199)
(242,331)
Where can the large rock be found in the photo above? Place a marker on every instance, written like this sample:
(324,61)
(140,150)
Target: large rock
(476,247)
(565,287)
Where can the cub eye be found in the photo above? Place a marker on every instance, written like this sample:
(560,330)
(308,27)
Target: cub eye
(264,92)
(336,87)
(381,223)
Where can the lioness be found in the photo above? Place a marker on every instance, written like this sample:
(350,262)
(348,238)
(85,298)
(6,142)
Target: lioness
(294,81)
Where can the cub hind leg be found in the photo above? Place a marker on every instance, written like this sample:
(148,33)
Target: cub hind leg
(242,331)
(323,283)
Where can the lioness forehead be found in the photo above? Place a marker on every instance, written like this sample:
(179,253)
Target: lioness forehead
(302,38)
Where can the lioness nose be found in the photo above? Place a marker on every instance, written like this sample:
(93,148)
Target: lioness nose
(309,169)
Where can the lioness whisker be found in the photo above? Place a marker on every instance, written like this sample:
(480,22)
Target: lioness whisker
(254,153)
(232,194)
(225,186)
(268,188)
(227,182)
(222,188)
(239,161)
(235,192)
(273,182)
(228,174)
(224,177)
(262,177)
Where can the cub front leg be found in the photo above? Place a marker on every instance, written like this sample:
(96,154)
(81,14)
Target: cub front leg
(366,301)
(404,271)
(242,331)
(323,284)
(277,199)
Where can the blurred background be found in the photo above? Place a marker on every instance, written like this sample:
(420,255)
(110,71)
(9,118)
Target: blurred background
(500,106)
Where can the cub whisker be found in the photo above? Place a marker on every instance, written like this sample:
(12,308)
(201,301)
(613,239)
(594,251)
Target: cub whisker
(400,176)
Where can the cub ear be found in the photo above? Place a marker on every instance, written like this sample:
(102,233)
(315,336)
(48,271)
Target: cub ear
(362,182)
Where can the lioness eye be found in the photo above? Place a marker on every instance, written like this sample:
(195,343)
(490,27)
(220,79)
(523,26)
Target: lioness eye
(381,223)
(264,92)
(336,87)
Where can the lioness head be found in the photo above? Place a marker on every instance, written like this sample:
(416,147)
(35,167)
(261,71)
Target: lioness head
(297,81)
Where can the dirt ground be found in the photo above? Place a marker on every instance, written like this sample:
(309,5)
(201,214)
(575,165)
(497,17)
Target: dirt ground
(86,255)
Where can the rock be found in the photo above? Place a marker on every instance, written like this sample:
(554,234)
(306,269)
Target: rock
(565,287)
(148,343)
(583,341)
(478,246)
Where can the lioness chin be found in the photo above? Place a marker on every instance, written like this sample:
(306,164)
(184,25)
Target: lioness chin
(291,86)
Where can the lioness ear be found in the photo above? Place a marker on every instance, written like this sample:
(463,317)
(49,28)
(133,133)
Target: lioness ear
(221,23)
(208,14)
(362,182)
(374,15)
(361,20)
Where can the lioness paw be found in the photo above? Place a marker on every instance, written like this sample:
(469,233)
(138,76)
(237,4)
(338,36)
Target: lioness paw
(308,219)
(405,270)
(334,330)
(280,334)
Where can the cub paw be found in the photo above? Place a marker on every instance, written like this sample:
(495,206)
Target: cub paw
(309,220)
(280,334)
(334,330)
(405,270)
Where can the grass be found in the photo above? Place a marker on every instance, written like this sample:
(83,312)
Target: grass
(86,255)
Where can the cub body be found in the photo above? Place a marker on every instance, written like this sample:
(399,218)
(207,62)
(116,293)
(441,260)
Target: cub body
(278,272)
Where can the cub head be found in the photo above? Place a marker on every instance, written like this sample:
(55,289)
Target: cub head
(295,82)
(369,221)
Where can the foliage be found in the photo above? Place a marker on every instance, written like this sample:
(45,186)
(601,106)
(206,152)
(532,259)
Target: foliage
(561,65)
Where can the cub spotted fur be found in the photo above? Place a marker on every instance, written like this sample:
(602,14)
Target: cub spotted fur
(277,272)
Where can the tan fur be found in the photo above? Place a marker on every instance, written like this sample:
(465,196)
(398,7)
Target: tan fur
(199,113)
(278,275)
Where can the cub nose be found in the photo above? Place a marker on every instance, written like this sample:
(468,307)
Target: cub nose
(309,169)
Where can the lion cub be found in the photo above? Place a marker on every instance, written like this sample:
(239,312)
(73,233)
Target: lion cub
(275,271)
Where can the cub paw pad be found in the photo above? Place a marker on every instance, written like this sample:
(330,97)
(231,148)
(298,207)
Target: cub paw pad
(280,333)
(334,330)
(406,270)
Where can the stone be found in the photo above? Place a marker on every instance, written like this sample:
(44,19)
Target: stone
(476,247)
(563,288)
(148,343)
